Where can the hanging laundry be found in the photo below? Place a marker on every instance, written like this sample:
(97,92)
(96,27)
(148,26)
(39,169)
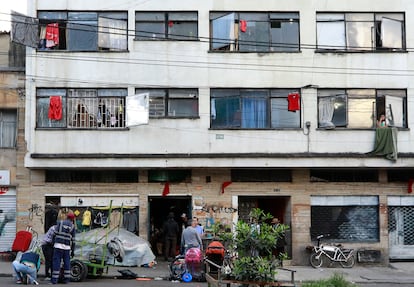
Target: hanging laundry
(55,108)
(52,35)
(86,218)
(243,26)
(293,102)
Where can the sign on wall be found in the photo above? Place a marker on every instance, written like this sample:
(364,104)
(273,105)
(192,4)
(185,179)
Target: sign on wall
(4,177)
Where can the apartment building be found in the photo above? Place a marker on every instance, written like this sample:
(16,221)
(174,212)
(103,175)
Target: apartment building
(212,108)
(12,148)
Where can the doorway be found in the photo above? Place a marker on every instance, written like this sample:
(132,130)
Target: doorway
(278,206)
(158,208)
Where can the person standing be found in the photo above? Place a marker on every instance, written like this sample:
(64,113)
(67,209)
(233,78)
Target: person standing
(47,248)
(170,230)
(198,227)
(190,237)
(63,248)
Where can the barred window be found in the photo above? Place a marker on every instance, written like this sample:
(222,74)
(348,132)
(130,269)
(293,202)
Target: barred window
(172,103)
(82,108)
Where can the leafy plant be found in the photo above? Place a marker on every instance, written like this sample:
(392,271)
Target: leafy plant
(336,280)
(254,242)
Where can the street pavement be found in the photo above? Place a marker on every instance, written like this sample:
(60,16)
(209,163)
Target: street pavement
(395,274)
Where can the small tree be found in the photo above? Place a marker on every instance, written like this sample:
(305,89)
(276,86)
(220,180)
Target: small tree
(254,242)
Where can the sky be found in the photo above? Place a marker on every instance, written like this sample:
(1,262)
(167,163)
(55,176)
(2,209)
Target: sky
(5,7)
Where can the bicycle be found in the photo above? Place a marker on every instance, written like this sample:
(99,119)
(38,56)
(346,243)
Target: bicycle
(334,253)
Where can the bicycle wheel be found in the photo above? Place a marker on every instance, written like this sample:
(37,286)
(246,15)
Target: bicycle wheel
(316,260)
(349,263)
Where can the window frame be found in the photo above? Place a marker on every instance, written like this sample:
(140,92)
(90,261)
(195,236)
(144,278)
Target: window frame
(85,24)
(241,110)
(83,108)
(166,23)
(346,21)
(8,128)
(331,111)
(228,28)
(187,98)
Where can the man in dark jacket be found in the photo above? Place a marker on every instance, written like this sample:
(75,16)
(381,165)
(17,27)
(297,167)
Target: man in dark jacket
(63,248)
(171,230)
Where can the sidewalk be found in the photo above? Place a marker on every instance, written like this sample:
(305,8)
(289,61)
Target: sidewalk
(395,273)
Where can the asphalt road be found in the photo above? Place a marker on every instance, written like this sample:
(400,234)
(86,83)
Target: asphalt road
(102,282)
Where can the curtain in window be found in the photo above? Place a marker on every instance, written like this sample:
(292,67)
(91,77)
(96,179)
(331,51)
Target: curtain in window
(223,31)
(326,111)
(8,129)
(112,33)
(254,113)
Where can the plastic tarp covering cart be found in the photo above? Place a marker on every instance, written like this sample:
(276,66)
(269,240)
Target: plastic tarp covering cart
(122,248)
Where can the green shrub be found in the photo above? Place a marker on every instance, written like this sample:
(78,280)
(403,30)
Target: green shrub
(336,280)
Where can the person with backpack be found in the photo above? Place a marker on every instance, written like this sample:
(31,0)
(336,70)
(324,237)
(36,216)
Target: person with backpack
(63,248)
(25,267)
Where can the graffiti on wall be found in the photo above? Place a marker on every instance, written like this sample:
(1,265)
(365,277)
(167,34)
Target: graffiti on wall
(8,217)
(211,213)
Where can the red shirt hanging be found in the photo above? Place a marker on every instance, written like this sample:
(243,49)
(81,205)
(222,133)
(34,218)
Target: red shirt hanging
(52,33)
(293,102)
(243,26)
(55,108)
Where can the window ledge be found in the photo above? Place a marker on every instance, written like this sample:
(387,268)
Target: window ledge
(327,51)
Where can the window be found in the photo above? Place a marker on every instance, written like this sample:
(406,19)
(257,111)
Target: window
(175,176)
(8,128)
(81,108)
(172,103)
(360,31)
(83,31)
(108,176)
(361,108)
(261,175)
(254,32)
(345,218)
(166,25)
(255,109)
(344,175)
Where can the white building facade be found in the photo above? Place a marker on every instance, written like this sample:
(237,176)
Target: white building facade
(242,104)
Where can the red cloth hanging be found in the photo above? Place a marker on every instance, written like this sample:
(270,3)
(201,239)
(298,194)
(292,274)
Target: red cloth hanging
(243,26)
(410,185)
(170,24)
(55,108)
(52,33)
(166,189)
(293,102)
(224,185)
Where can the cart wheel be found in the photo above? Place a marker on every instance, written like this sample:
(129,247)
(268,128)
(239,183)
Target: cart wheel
(78,270)
(187,277)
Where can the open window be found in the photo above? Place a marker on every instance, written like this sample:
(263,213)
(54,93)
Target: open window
(361,108)
(360,31)
(172,103)
(254,31)
(83,31)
